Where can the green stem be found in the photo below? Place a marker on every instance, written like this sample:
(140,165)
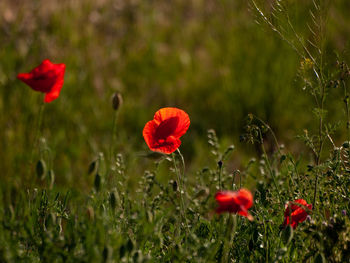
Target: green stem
(220,173)
(183,177)
(240,179)
(231,230)
(182,203)
(114,128)
(346,101)
(271,131)
(318,157)
(182,160)
(111,158)
(315,190)
(270,169)
(37,131)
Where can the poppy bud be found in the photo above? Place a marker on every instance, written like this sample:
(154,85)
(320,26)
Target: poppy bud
(97,182)
(117,100)
(106,254)
(129,245)
(40,169)
(174,185)
(220,163)
(122,251)
(92,166)
(287,234)
(113,200)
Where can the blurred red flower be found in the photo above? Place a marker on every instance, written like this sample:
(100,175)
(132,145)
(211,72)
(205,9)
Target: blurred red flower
(162,134)
(46,78)
(296,212)
(235,202)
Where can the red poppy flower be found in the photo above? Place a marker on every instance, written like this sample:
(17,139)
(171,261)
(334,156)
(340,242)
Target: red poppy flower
(162,134)
(296,212)
(46,78)
(235,202)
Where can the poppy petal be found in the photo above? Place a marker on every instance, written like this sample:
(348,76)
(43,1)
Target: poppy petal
(165,145)
(235,202)
(244,198)
(47,78)
(296,212)
(163,132)
(246,214)
(226,196)
(181,116)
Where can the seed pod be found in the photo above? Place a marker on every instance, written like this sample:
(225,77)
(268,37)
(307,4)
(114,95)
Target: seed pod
(220,164)
(117,100)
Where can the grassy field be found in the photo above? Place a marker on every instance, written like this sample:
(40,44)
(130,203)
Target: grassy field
(79,183)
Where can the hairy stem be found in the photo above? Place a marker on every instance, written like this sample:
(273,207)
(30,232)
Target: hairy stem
(180,185)
(270,168)
(37,131)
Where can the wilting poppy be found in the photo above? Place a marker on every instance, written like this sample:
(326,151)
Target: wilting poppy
(46,78)
(162,134)
(235,202)
(296,212)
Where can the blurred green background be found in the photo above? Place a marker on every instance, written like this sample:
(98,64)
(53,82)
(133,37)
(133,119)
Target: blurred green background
(209,58)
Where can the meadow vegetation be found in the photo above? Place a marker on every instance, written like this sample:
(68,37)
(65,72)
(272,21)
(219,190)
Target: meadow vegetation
(265,85)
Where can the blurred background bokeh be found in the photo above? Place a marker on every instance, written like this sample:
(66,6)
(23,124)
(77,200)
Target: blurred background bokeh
(209,58)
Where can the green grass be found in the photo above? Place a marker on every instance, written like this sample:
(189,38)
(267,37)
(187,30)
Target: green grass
(209,58)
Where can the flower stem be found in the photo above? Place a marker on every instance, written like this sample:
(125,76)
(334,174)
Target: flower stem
(231,230)
(315,191)
(37,131)
(183,174)
(220,174)
(114,128)
(270,169)
(181,189)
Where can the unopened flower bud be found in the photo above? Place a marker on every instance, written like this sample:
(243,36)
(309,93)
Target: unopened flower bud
(220,163)
(174,185)
(117,100)
(113,199)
